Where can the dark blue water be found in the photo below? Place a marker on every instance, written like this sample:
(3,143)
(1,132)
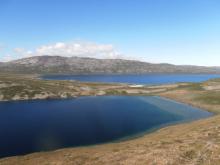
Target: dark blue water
(30,126)
(136,79)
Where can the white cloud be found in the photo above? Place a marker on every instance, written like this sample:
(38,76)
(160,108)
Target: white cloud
(19,50)
(23,53)
(6,58)
(68,49)
(80,49)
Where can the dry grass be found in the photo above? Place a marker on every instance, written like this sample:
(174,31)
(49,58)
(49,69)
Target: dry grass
(196,143)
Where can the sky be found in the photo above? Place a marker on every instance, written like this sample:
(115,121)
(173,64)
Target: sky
(159,31)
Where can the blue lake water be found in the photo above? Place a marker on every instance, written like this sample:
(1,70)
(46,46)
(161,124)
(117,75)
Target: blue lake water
(41,125)
(136,79)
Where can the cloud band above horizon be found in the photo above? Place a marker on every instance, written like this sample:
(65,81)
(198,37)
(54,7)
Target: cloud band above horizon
(69,49)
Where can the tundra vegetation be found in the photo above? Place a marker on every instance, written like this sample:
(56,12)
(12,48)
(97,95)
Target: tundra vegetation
(194,143)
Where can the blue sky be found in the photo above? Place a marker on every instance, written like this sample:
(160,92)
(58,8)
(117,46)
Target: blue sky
(171,31)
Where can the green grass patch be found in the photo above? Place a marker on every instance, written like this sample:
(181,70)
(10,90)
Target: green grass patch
(209,98)
(192,86)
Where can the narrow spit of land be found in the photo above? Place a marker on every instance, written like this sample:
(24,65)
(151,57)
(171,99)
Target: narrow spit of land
(30,87)
(192,143)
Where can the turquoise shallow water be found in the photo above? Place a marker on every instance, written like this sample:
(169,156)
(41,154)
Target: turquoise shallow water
(30,126)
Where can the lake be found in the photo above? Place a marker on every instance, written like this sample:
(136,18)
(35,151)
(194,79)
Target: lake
(41,125)
(148,79)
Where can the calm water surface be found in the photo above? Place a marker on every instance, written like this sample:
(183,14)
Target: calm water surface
(137,79)
(30,126)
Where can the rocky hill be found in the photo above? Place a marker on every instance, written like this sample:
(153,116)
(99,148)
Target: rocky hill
(77,65)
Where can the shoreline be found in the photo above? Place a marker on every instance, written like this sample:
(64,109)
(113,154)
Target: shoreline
(126,138)
(20,159)
(188,93)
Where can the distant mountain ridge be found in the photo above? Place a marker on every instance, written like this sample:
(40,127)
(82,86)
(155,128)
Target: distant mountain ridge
(77,65)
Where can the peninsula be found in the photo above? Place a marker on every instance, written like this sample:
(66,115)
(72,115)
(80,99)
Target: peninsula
(191,143)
